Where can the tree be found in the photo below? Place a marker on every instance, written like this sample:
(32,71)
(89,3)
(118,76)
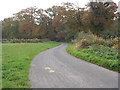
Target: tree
(26,29)
(56,22)
(10,28)
(32,22)
(101,15)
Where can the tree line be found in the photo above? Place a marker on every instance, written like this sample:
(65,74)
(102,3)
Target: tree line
(63,23)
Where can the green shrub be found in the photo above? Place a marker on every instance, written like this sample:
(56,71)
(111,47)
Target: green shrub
(103,56)
(86,39)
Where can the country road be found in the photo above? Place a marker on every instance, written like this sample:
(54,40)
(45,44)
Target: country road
(55,68)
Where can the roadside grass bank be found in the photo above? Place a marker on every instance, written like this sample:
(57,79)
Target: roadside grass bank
(16,59)
(100,55)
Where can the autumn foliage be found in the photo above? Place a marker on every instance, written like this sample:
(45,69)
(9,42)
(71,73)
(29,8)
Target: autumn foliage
(62,23)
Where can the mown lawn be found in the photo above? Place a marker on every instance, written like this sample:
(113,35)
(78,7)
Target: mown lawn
(16,59)
(100,55)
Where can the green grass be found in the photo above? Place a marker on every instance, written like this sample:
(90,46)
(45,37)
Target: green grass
(100,55)
(16,59)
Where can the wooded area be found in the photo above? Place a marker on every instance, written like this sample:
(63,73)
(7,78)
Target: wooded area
(63,23)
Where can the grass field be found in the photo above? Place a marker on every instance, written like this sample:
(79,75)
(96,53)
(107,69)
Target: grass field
(101,55)
(16,59)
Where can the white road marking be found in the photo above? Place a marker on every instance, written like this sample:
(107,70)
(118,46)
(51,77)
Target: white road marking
(51,71)
(47,68)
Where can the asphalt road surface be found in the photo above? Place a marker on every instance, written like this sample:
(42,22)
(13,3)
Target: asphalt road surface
(55,68)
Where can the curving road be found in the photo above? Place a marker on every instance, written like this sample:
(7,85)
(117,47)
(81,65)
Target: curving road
(54,68)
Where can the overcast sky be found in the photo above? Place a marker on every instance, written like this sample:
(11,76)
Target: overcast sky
(9,7)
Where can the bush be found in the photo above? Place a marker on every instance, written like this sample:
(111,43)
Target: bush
(85,43)
(22,40)
(85,39)
(100,55)
(114,43)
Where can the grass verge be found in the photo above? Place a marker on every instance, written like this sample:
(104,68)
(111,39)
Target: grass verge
(16,59)
(104,58)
